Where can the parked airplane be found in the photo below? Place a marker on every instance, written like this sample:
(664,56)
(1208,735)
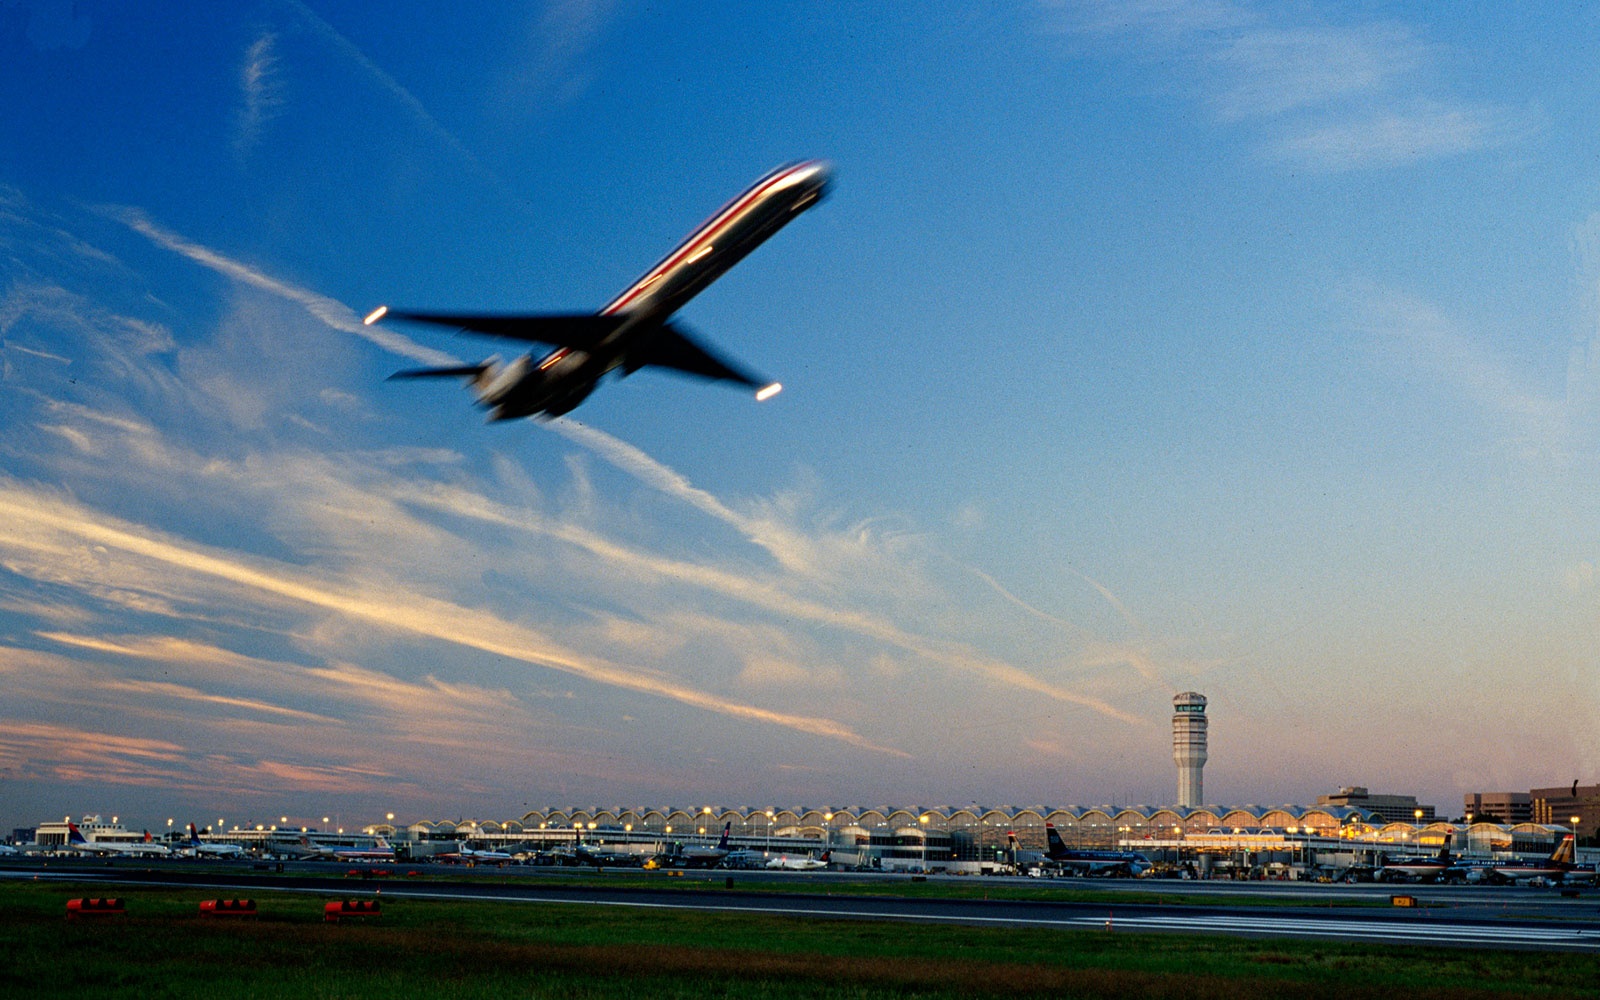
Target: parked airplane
(142,848)
(600,857)
(799,862)
(1560,866)
(1092,862)
(465,853)
(746,858)
(635,329)
(697,856)
(1420,869)
(200,849)
(6,850)
(380,851)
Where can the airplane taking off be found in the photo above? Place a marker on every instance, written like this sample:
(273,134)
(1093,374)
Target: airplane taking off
(634,330)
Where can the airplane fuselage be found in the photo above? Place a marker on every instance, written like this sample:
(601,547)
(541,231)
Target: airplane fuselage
(1427,869)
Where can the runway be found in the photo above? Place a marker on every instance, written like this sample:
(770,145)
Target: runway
(1447,916)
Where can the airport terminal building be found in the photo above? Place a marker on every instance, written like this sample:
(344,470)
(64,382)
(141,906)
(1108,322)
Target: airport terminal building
(1243,841)
(976,838)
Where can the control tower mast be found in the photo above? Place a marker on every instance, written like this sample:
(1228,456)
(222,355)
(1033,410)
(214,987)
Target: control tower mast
(1189,746)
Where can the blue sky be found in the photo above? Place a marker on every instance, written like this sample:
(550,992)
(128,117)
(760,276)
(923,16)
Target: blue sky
(1142,347)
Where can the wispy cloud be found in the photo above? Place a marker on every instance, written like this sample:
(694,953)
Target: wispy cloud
(556,67)
(1406,330)
(260,94)
(44,528)
(819,556)
(335,314)
(1326,96)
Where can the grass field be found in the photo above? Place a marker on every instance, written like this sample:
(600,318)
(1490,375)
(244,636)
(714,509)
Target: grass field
(164,948)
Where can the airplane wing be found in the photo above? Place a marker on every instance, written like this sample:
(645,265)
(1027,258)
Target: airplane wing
(580,331)
(460,371)
(672,347)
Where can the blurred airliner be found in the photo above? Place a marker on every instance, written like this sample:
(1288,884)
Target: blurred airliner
(635,329)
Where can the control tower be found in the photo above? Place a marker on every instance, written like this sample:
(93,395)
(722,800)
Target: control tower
(1189,746)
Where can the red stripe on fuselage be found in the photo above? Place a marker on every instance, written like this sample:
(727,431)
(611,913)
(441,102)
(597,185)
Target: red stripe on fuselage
(708,230)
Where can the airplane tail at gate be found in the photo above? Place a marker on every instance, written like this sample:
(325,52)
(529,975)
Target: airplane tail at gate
(1566,852)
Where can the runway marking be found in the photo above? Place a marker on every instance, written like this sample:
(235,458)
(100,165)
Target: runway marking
(1415,932)
(1419,931)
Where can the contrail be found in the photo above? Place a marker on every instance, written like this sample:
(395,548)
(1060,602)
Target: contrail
(330,34)
(1019,602)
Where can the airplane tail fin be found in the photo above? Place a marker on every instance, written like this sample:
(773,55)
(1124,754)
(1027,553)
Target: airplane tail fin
(1057,845)
(75,835)
(1444,852)
(1566,852)
(722,843)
